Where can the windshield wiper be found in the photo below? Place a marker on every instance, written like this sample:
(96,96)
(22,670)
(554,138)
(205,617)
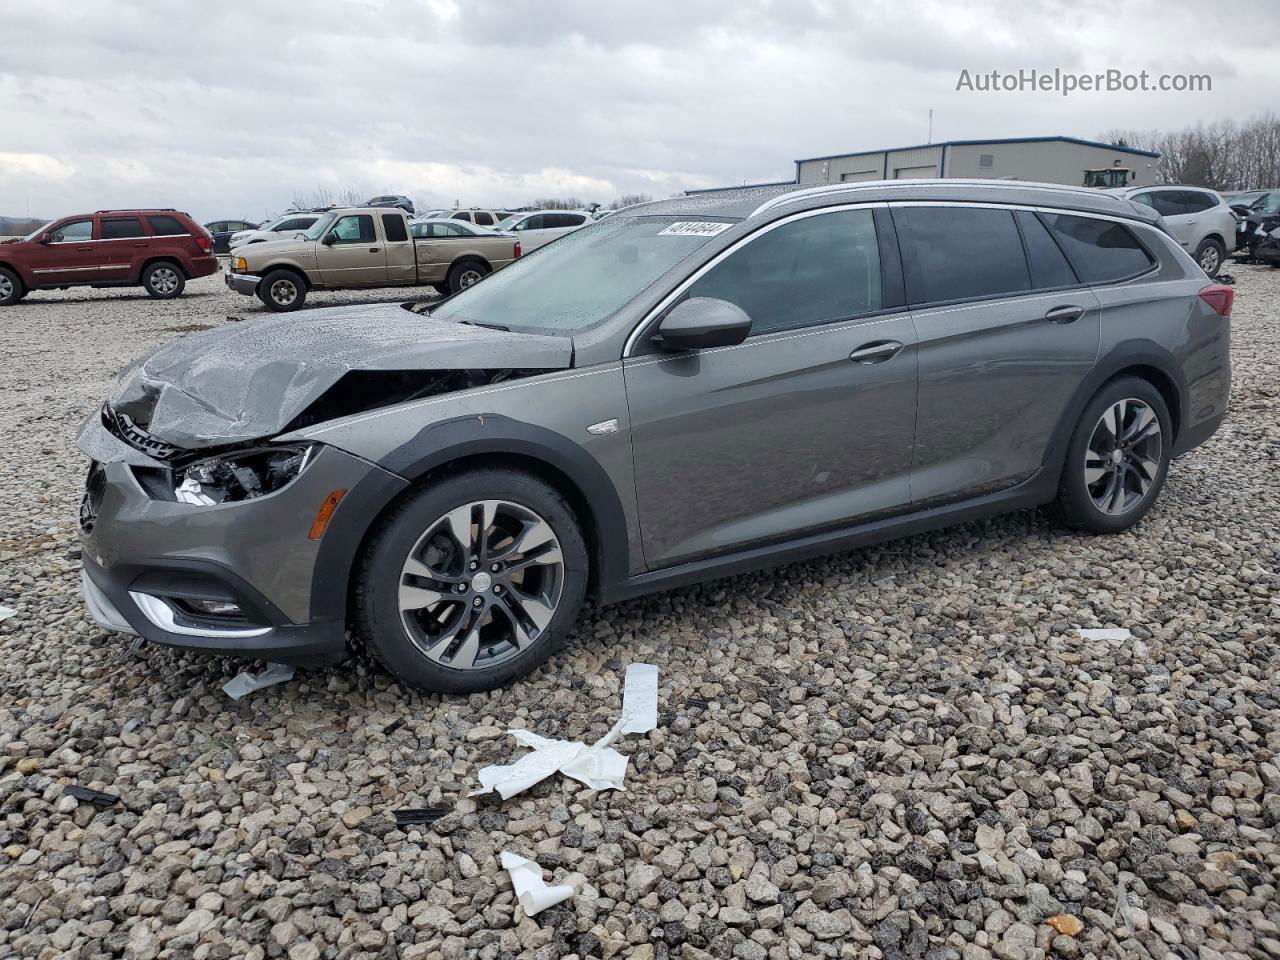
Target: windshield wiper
(487,326)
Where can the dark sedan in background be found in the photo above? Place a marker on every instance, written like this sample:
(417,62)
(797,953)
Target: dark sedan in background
(221,231)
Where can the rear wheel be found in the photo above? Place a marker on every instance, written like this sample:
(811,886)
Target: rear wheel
(282,290)
(11,288)
(1117,459)
(466,272)
(473,581)
(163,280)
(1209,255)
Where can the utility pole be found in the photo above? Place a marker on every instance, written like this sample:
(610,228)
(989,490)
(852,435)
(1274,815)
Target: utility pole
(930,140)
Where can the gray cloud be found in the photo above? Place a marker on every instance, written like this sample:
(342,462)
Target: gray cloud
(230,109)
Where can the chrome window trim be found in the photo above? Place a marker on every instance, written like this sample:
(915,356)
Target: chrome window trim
(693,278)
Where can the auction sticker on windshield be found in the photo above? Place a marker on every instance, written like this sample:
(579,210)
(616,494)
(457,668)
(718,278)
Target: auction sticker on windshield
(694,228)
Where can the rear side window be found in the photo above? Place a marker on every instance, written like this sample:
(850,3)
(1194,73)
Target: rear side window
(1049,267)
(164,226)
(959,253)
(1100,250)
(394,227)
(1197,200)
(804,272)
(484,219)
(119,228)
(1167,203)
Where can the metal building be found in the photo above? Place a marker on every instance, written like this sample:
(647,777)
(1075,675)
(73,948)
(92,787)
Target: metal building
(1066,160)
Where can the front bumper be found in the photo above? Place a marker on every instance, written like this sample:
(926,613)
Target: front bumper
(1268,250)
(145,559)
(246,283)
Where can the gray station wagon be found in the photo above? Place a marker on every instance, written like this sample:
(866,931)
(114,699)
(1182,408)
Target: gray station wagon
(688,389)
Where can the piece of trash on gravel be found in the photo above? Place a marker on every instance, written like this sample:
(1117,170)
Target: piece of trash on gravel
(245,682)
(531,890)
(415,816)
(89,795)
(599,766)
(1123,916)
(7,612)
(1106,633)
(132,724)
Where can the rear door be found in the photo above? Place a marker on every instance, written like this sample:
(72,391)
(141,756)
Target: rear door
(127,247)
(70,254)
(1180,221)
(355,254)
(533,232)
(1007,331)
(402,266)
(806,425)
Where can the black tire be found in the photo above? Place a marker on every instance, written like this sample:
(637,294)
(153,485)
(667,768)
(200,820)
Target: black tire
(11,288)
(466,272)
(377,616)
(441,288)
(1075,505)
(163,280)
(1210,256)
(282,291)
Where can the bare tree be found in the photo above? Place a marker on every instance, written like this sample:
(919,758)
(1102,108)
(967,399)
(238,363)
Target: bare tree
(1222,156)
(557,203)
(323,196)
(628,199)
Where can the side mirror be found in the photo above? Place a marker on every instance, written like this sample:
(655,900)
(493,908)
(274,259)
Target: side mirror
(702,322)
(49,238)
(329,239)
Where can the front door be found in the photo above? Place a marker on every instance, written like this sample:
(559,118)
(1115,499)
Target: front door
(1007,332)
(807,424)
(351,253)
(68,254)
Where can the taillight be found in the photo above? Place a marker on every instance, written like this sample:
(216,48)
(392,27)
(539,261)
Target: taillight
(1220,297)
(517,249)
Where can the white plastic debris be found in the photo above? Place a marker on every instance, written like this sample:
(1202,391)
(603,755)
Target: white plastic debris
(7,612)
(531,890)
(1107,633)
(1123,916)
(599,766)
(245,682)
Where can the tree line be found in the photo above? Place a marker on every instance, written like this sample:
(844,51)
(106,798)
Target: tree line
(1223,155)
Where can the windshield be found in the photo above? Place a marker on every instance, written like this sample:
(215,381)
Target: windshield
(318,228)
(1269,203)
(581,278)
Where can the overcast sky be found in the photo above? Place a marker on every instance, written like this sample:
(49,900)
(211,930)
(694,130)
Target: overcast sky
(229,109)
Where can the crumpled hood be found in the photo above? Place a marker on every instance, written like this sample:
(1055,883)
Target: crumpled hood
(250,379)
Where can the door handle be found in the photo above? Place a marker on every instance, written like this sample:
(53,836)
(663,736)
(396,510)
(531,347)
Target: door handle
(373,249)
(1067,314)
(83,249)
(878,351)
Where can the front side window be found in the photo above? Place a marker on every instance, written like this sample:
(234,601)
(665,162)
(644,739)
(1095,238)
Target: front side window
(808,271)
(119,228)
(354,228)
(536,222)
(580,280)
(1100,250)
(961,253)
(77,231)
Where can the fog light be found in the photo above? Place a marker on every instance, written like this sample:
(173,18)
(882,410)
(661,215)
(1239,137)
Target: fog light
(214,608)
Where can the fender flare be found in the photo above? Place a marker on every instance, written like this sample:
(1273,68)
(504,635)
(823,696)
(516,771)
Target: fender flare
(440,444)
(1129,353)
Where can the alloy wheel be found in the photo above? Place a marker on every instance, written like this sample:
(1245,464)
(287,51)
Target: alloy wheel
(481,584)
(284,292)
(164,280)
(1123,458)
(6,287)
(1209,260)
(469,276)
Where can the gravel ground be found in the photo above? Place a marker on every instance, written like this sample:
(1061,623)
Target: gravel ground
(907,751)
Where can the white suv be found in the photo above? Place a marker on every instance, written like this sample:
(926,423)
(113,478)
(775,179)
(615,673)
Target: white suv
(1199,219)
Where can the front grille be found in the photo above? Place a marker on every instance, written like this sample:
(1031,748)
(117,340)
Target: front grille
(132,434)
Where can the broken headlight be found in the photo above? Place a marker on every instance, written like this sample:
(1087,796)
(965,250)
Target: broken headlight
(242,475)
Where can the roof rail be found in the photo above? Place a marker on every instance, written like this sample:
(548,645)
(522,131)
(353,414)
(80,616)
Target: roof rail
(139,210)
(831,188)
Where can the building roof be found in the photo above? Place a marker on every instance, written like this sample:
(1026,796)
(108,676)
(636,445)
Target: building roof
(976,143)
(745,186)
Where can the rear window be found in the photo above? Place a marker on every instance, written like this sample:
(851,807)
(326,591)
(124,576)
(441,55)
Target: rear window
(165,226)
(119,228)
(1049,267)
(960,253)
(1100,250)
(394,227)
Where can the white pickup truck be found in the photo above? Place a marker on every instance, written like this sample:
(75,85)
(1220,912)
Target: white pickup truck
(368,247)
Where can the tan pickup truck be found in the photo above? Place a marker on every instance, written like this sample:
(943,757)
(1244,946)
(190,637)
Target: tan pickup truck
(368,247)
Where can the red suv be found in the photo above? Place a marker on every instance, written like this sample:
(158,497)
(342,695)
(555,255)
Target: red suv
(157,249)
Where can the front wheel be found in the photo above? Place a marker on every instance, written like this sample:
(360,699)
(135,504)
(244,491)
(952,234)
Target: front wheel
(1209,255)
(1117,459)
(472,581)
(163,280)
(11,288)
(282,291)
